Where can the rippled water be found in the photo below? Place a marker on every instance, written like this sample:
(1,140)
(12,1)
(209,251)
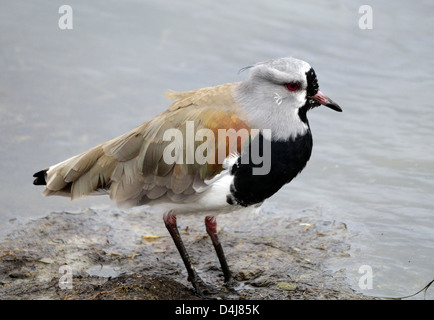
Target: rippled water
(64,91)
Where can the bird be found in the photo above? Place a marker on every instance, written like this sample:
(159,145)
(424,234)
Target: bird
(215,150)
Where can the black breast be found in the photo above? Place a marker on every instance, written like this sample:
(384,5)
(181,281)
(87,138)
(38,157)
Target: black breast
(288,158)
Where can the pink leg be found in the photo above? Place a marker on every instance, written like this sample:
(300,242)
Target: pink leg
(211,228)
(200,287)
(193,277)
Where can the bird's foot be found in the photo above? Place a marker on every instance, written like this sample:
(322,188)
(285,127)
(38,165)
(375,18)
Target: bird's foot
(232,284)
(204,290)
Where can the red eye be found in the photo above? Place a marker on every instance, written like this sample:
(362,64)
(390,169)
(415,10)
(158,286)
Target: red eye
(293,86)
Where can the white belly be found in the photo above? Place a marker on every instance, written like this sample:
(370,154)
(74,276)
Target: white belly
(211,202)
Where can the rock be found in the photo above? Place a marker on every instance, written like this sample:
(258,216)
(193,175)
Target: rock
(109,255)
(286,286)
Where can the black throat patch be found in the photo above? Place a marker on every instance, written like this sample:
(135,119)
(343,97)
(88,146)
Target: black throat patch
(288,159)
(312,83)
(311,90)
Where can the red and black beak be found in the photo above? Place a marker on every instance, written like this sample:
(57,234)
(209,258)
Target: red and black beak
(322,99)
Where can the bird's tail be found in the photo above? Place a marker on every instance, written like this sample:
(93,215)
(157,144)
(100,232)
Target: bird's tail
(84,174)
(41,177)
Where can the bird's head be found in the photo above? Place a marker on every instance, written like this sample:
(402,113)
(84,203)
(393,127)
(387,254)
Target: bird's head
(278,93)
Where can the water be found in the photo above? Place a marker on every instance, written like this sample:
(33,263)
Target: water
(64,91)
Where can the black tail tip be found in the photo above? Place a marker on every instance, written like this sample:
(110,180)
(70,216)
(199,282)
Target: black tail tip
(40,178)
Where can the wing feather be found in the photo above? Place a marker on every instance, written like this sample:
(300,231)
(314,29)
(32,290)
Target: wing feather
(132,166)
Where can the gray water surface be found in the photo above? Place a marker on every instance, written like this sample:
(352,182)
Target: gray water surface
(65,91)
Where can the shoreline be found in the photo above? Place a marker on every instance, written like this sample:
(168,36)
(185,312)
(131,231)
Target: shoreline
(126,255)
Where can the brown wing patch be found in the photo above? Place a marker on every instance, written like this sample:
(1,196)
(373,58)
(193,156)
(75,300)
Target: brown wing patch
(132,166)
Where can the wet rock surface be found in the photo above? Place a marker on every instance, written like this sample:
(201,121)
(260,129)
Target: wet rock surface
(106,254)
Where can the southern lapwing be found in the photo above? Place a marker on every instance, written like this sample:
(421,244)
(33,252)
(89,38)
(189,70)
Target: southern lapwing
(215,150)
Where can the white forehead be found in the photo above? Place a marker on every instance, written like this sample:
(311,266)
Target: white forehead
(287,65)
(281,70)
